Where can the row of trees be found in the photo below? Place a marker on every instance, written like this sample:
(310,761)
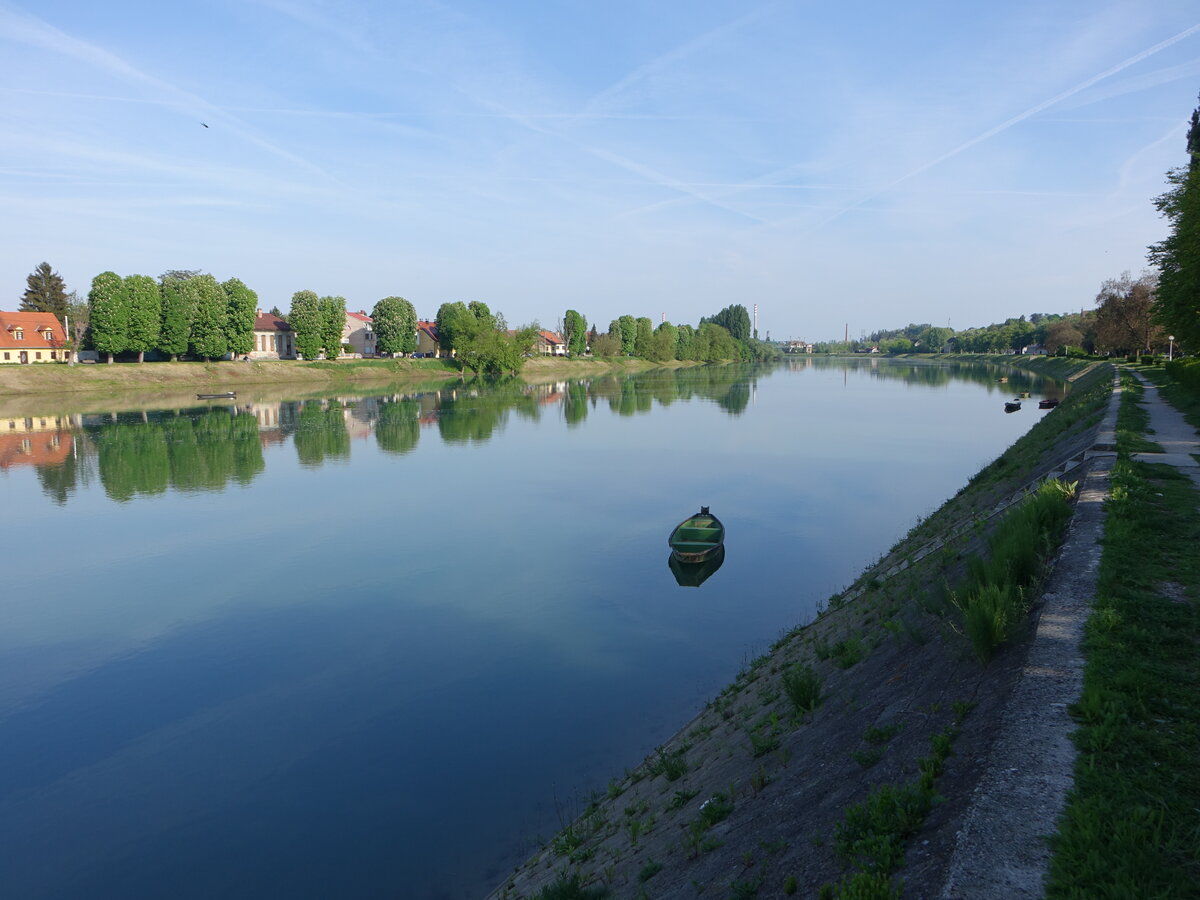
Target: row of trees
(724,336)
(182,312)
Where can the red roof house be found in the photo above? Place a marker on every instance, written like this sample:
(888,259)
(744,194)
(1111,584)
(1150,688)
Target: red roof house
(29,337)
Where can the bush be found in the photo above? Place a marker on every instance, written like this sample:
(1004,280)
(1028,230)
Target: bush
(803,687)
(1186,372)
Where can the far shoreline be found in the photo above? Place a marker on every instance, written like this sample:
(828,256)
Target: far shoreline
(211,377)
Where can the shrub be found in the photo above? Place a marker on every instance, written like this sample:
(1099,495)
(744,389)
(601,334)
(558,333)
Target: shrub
(803,687)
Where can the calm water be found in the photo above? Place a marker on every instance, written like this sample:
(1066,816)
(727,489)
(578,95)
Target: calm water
(371,646)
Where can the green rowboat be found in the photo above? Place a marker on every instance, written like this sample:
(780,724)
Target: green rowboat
(697,537)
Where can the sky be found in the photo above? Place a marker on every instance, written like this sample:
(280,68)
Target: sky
(858,165)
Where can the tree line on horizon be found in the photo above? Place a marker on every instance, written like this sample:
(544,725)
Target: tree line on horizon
(1158,311)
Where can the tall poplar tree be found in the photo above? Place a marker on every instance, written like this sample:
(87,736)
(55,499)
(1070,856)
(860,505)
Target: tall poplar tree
(45,292)
(395,325)
(208,322)
(305,319)
(178,309)
(643,337)
(145,314)
(108,311)
(628,325)
(1178,256)
(333,324)
(575,332)
(241,311)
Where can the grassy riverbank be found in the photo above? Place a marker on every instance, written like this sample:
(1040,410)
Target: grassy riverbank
(841,762)
(1132,823)
(210,377)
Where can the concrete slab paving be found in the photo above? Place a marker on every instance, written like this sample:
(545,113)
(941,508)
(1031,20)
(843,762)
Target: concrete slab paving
(1171,432)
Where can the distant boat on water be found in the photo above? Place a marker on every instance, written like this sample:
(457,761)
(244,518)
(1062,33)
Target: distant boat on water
(1012,405)
(1048,403)
(227,395)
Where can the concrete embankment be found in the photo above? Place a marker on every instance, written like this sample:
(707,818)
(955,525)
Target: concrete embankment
(750,799)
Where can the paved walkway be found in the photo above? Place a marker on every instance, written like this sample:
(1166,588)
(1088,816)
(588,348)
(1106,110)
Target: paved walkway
(1170,431)
(1000,850)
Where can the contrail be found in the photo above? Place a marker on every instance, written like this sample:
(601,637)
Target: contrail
(1017,119)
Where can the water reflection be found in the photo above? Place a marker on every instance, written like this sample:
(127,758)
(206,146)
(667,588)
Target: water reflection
(207,448)
(695,574)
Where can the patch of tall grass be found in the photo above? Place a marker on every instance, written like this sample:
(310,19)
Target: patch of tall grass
(992,599)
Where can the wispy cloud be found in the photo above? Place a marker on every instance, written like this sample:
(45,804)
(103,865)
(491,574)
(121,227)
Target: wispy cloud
(1014,120)
(27,29)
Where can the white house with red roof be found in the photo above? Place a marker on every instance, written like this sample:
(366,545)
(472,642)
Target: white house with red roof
(359,333)
(551,343)
(32,337)
(273,338)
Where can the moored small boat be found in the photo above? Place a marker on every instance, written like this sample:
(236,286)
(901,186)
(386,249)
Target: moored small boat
(697,537)
(1002,380)
(1048,403)
(226,395)
(1012,405)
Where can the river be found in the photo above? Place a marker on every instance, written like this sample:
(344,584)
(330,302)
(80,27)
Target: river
(377,644)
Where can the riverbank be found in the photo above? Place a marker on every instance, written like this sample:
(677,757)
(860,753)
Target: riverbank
(213,377)
(765,794)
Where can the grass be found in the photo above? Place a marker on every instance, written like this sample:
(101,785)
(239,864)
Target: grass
(803,688)
(1132,823)
(872,834)
(570,887)
(993,596)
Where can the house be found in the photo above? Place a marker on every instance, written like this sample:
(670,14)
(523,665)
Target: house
(273,338)
(427,339)
(31,337)
(359,334)
(550,343)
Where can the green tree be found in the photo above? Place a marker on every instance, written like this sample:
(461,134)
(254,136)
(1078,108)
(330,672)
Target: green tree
(606,346)
(642,337)
(627,325)
(733,319)
(494,352)
(664,344)
(145,314)
(575,332)
(395,325)
(240,312)
(1125,317)
(332,311)
(305,319)
(483,315)
(685,337)
(210,307)
(1178,256)
(178,309)
(45,292)
(108,311)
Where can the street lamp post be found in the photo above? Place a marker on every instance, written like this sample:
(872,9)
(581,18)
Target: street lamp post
(1170,347)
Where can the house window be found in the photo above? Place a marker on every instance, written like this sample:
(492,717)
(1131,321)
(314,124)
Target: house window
(49,334)
(37,354)
(19,334)
(54,354)
(7,357)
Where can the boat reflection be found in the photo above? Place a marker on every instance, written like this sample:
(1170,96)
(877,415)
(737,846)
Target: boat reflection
(695,574)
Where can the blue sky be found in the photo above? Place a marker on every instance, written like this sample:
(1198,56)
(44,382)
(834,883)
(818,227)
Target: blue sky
(860,163)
